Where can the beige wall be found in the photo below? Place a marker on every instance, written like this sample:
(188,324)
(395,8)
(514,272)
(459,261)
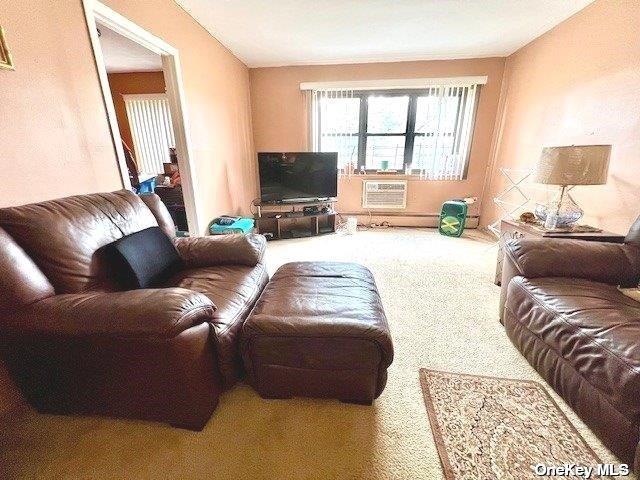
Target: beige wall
(579,84)
(132,83)
(54,135)
(219,112)
(279,124)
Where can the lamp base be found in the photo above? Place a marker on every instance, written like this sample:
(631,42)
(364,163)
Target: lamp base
(569,212)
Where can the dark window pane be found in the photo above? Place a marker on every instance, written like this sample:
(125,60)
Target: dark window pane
(387,114)
(429,151)
(339,115)
(437,119)
(339,119)
(389,148)
(436,112)
(346,146)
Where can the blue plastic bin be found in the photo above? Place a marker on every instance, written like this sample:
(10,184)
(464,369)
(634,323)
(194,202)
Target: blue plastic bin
(242,225)
(148,186)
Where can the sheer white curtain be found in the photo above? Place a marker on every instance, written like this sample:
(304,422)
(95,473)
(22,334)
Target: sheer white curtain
(334,121)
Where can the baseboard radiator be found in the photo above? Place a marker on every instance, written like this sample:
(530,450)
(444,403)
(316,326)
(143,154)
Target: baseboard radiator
(398,219)
(385,200)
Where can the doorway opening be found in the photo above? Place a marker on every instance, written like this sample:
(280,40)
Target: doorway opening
(142,89)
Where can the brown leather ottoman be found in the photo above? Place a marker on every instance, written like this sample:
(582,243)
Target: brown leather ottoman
(318,330)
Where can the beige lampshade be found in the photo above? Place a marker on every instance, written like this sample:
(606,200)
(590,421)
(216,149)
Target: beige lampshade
(573,165)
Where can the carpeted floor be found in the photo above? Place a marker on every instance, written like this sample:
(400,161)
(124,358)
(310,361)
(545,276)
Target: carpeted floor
(442,309)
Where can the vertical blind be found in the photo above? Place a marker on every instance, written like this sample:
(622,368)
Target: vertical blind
(435,143)
(152,130)
(449,114)
(335,124)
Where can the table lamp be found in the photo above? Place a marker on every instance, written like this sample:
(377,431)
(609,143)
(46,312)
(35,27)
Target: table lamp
(569,166)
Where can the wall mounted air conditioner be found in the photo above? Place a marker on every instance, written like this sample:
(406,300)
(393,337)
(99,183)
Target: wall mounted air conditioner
(390,194)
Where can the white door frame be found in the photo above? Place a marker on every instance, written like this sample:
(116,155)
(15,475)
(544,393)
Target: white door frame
(98,12)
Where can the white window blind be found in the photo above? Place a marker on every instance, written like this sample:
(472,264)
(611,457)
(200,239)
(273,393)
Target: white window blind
(152,131)
(444,128)
(335,124)
(425,130)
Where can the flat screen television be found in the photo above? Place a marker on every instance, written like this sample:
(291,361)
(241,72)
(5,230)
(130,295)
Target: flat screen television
(297,176)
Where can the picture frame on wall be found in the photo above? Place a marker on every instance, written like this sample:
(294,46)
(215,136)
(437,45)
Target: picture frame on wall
(6,62)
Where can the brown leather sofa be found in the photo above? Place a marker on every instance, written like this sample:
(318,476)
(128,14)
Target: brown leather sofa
(75,343)
(562,309)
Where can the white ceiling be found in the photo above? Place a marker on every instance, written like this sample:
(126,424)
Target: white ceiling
(301,32)
(123,55)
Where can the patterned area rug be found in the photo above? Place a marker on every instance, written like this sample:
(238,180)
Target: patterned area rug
(487,427)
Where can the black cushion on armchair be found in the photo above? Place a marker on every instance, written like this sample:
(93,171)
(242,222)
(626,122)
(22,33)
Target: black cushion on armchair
(143,259)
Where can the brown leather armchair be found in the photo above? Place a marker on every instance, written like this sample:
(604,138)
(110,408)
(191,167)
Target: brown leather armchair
(561,308)
(75,343)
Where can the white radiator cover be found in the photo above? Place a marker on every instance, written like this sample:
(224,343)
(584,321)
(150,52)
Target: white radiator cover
(390,194)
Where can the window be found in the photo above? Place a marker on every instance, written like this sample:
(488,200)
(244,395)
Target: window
(425,130)
(339,127)
(386,131)
(151,129)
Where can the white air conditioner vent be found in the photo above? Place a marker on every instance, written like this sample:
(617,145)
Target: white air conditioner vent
(384,194)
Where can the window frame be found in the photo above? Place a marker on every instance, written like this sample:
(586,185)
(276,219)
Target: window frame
(409,134)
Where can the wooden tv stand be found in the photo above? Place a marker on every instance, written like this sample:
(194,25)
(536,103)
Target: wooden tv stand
(287,220)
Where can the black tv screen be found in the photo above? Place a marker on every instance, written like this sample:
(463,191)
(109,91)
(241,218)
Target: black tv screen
(297,176)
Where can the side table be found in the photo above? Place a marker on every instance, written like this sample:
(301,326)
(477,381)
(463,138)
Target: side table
(512,229)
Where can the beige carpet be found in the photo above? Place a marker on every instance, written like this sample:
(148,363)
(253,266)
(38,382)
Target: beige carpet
(442,309)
